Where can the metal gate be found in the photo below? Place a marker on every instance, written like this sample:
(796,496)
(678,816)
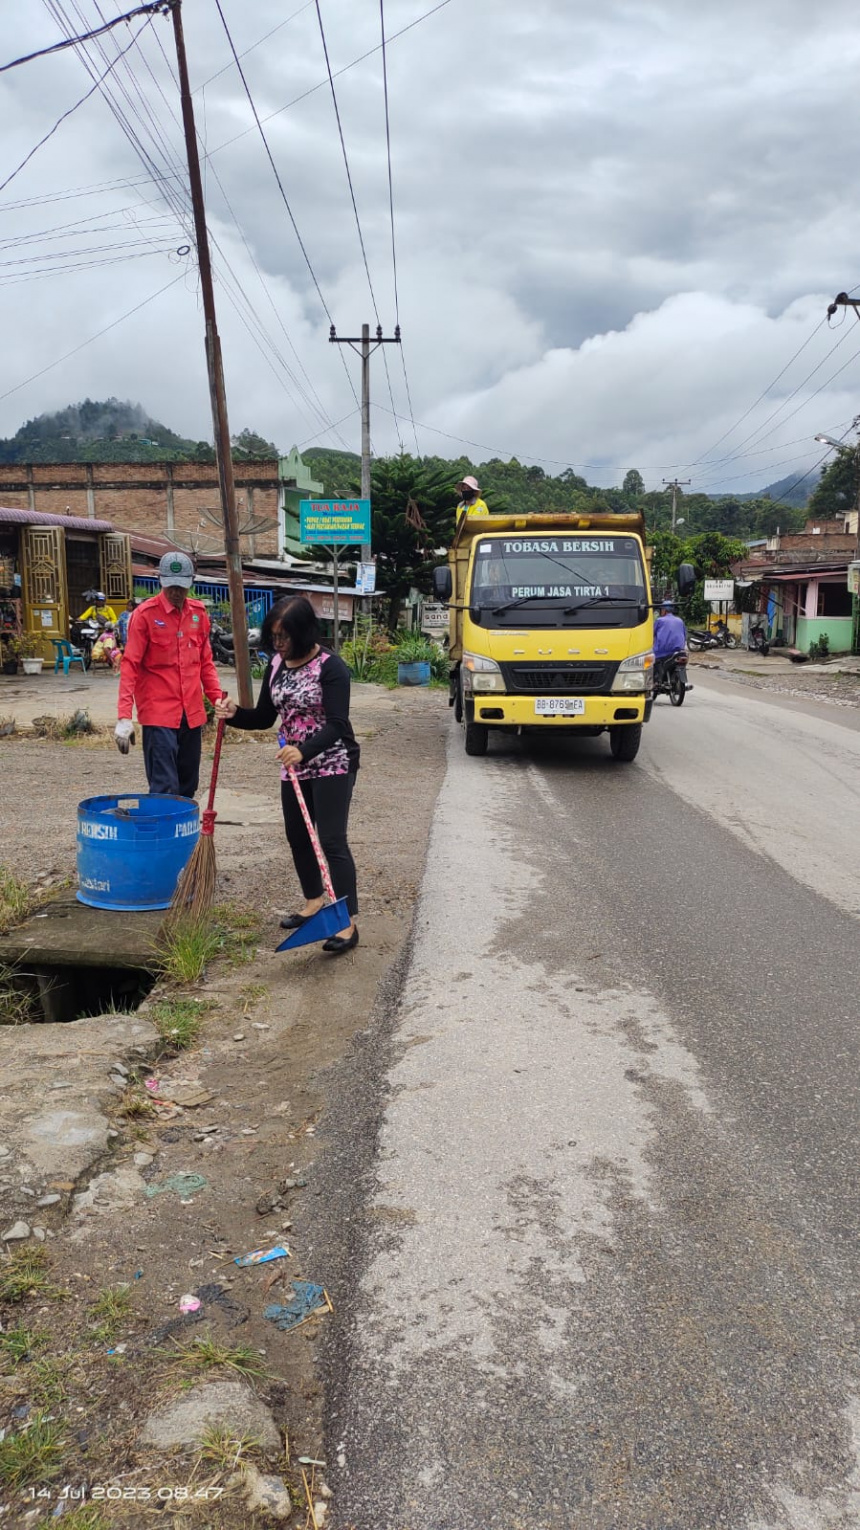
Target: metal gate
(44,584)
(115,554)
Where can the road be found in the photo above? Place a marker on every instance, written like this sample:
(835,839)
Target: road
(609,1269)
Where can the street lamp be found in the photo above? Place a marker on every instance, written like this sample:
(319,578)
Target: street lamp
(829,441)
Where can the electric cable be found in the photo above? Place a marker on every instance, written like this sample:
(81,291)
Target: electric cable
(72,42)
(391,213)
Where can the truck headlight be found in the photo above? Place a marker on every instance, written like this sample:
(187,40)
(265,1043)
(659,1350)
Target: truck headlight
(635,674)
(480,673)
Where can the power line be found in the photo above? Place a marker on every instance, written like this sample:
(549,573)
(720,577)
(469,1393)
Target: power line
(280,184)
(72,42)
(391,212)
(260,40)
(85,97)
(747,412)
(96,336)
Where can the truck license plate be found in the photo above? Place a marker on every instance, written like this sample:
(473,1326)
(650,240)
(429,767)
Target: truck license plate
(559,706)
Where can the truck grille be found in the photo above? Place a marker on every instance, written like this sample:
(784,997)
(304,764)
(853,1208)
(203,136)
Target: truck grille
(575,678)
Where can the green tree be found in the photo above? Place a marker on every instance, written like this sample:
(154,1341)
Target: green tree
(633,486)
(838,488)
(413,507)
(249,444)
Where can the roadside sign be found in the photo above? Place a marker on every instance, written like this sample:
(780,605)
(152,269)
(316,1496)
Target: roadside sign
(719,589)
(434,617)
(854,578)
(334,522)
(365,578)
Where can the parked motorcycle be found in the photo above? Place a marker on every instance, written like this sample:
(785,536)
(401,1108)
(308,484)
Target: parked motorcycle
(757,641)
(726,637)
(223,648)
(718,637)
(670,677)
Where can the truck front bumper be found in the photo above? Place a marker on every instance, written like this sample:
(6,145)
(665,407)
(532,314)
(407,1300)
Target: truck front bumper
(519,711)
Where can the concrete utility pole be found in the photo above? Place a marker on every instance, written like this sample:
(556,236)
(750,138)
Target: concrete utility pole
(223,455)
(675,484)
(365,350)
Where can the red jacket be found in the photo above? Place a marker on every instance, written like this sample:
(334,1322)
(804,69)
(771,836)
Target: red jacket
(168,664)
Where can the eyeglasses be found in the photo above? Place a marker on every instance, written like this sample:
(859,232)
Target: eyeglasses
(280,639)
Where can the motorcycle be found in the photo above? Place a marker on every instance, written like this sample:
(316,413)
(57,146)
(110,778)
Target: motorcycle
(727,638)
(670,677)
(719,637)
(223,648)
(757,641)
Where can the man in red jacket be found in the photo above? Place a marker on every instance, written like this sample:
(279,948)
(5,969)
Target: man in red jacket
(166,668)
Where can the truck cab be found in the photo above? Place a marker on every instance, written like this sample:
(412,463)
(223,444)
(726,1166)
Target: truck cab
(551,627)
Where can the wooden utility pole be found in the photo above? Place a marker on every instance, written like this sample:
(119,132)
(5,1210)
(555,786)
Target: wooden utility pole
(365,351)
(223,455)
(675,484)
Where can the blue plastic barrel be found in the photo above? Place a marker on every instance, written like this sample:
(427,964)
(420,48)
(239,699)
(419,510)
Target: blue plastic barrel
(416,673)
(132,849)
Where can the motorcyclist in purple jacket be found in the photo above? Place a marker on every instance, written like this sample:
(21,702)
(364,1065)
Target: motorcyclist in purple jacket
(670,634)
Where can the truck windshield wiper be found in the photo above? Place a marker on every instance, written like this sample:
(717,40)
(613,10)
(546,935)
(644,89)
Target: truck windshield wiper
(520,601)
(597,600)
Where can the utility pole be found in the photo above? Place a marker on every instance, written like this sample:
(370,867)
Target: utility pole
(223,456)
(675,484)
(365,350)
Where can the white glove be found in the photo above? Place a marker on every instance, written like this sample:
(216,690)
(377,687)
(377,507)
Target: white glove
(124,734)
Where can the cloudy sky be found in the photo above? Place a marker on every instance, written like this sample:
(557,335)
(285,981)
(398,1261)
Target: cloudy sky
(617,227)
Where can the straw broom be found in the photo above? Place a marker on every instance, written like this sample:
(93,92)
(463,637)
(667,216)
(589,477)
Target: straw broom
(195,890)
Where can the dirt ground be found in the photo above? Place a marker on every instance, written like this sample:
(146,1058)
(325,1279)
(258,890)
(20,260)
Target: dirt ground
(278,1029)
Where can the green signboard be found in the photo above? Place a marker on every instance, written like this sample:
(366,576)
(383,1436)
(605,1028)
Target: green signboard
(335,522)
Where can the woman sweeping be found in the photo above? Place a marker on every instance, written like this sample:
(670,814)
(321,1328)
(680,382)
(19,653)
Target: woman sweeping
(306,690)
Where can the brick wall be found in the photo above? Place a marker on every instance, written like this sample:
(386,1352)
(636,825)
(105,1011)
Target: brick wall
(153,498)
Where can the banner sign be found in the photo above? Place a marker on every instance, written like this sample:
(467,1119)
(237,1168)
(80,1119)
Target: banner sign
(719,589)
(334,522)
(365,578)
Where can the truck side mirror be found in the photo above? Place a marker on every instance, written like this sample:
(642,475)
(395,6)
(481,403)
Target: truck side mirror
(686,580)
(442,583)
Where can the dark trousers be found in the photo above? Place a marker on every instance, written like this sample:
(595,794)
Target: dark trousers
(171,759)
(328,799)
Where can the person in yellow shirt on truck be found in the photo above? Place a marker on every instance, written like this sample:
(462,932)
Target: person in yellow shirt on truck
(471,502)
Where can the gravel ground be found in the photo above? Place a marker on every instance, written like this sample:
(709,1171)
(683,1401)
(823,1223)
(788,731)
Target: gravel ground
(835,689)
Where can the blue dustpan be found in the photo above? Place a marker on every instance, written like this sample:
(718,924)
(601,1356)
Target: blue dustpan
(327,921)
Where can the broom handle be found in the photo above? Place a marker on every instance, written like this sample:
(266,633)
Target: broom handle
(312,834)
(216,761)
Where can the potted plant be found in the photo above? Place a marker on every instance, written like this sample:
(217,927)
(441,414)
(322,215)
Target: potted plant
(414,659)
(26,650)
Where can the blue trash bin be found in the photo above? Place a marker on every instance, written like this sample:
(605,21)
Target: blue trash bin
(415,673)
(132,849)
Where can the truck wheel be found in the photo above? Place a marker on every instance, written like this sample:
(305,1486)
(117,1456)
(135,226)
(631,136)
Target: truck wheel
(624,742)
(477,738)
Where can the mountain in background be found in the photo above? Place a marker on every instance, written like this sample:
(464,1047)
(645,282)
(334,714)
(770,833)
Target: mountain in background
(788,491)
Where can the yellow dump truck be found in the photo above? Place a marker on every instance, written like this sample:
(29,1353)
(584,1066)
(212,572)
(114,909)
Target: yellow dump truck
(551,626)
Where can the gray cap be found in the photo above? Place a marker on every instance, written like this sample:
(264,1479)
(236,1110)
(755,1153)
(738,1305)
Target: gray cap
(176,568)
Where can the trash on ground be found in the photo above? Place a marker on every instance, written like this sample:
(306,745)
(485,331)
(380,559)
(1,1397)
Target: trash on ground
(186,1092)
(181,1184)
(309,1461)
(260,1256)
(309,1301)
(189,1303)
(152,1085)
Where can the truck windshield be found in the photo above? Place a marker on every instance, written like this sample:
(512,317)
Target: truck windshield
(556,578)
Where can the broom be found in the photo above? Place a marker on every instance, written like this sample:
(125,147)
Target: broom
(195,890)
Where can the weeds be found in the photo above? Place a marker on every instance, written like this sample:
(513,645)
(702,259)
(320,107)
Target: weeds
(18,1344)
(84,1517)
(34,1455)
(135,1106)
(19,1004)
(225,1450)
(47,1383)
(64,729)
(207,1355)
(112,1307)
(25,1273)
(186,949)
(178,1021)
(239,931)
(16,899)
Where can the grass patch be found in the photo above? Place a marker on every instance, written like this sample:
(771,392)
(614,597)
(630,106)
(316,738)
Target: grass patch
(135,1105)
(178,1021)
(240,933)
(19,1004)
(204,1355)
(111,1309)
(16,899)
(218,1447)
(18,1344)
(187,948)
(26,1273)
(47,1383)
(34,1455)
(251,994)
(65,729)
(84,1517)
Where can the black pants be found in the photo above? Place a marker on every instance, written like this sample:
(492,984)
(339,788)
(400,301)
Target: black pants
(328,799)
(171,759)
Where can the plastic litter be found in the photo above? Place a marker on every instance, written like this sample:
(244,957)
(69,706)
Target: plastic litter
(189,1303)
(262,1256)
(181,1184)
(308,1300)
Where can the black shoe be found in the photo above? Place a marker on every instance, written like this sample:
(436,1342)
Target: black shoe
(295,921)
(337,944)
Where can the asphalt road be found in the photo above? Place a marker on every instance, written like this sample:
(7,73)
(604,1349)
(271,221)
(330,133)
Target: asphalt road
(607,1265)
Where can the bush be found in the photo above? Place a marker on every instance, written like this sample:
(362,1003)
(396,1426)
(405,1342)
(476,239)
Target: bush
(821,649)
